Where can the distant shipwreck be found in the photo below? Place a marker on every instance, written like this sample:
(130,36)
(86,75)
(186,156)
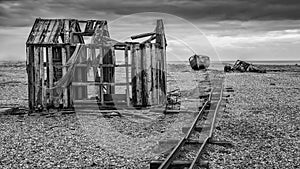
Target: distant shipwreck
(199,62)
(242,66)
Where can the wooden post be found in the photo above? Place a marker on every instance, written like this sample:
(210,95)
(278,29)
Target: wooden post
(64,71)
(66,31)
(112,70)
(30,72)
(148,72)
(42,78)
(139,67)
(133,74)
(153,74)
(67,39)
(161,41)
(101,53)
(164,73)
(37,75)
(51,75)
(144,83)
(127,76)
(157,74)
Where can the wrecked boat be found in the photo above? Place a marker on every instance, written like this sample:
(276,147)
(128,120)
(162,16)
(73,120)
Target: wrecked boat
(242,66)
(199,62)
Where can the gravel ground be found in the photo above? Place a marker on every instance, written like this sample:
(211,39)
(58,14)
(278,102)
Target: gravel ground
(262,121)
(13,85)
(54,142)
(85,141)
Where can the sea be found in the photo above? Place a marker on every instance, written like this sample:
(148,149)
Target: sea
(256,62)
(219,65)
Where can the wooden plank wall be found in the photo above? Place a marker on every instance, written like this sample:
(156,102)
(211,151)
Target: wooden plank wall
(31,76)
(148,74)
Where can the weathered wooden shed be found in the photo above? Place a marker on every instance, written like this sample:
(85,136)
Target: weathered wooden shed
(60,53)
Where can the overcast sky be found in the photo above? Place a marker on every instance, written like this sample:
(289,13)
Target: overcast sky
(237,29)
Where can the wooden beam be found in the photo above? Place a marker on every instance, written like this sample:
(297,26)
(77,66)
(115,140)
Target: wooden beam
(38,32)
(157,74)
(51,72)
(42,78)
(144,82)
(148,79)
(64,72)
(149,40)
(41,33)
(113,55)
(164,74)
(160,33)
(127,77)
(142,35)
(139,69)
(32,32)
(84,33)
(48,33)
(153,74)
(68,92)
(37,75)
(30,72)
(53,33)
(101,53)
(133,73)
(97,83)
(49,44)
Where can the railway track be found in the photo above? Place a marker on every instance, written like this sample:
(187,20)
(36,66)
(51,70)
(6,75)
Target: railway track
(199,135)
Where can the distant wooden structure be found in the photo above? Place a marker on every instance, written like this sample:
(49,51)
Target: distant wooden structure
(59,57)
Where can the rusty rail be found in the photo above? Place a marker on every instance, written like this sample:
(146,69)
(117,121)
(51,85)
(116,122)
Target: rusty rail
(171,157)
(207,139)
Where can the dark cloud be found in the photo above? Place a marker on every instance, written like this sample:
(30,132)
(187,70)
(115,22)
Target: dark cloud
(21,13)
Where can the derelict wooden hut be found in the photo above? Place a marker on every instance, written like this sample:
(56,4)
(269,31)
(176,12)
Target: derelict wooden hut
(61,52)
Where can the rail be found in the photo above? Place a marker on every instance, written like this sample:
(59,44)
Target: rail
(172,156)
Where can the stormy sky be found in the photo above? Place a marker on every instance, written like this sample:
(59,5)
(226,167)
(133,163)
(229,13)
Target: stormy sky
(222,29)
